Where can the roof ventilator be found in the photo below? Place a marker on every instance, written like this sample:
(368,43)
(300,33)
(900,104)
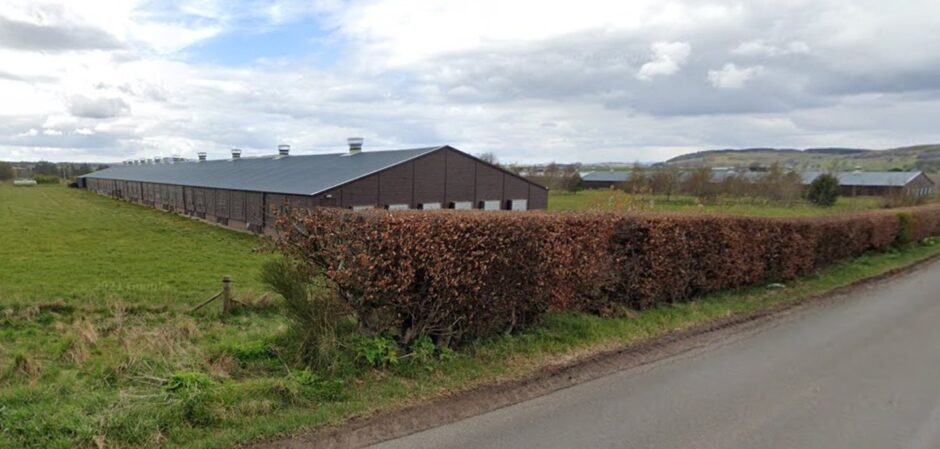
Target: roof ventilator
(355,145)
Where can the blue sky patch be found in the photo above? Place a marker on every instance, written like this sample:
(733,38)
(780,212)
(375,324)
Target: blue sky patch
(301,40)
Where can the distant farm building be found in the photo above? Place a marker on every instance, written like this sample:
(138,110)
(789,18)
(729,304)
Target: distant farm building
(859,183)
(604,179)
(246,193)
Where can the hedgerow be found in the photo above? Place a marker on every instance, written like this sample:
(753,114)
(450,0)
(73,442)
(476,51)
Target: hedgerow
(46,179)
(449,275)
(454,276)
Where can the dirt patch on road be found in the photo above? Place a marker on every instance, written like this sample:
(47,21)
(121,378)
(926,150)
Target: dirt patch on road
(363,431)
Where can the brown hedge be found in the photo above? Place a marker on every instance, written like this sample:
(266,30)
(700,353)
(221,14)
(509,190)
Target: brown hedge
(451,275)
(455,275)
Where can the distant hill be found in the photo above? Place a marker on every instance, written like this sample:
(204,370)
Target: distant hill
(920,157)
(836,151)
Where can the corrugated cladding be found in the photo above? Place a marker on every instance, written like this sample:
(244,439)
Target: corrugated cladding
(868,178)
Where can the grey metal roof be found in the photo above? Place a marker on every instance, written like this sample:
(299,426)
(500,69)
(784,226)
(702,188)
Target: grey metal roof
(623,176)
(868,178)
(606,176)
(298,175)
(723,175)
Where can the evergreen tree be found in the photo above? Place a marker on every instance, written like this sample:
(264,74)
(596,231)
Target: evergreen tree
(6,171)
(824,191)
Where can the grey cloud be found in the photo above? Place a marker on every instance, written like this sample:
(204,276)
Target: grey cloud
(25,78)
(27,36)
(98,108)
(564,71)
(851,83)
(28,133)
(10,76)
(803,66)
(309,109)
(556,72)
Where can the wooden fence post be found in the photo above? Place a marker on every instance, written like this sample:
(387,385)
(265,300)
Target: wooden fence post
(226,295)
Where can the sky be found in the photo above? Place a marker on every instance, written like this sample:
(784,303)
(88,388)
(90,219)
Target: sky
(528,80)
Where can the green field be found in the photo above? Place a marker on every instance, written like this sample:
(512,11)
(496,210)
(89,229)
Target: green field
(99,348)
(618,201)
(64,244)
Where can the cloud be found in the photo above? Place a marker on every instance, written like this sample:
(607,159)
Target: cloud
(29,79)
(10,76)
(587,81)
(28,36)
(168,38)
(759,47)
(97,108)
(668,58)
(732,77)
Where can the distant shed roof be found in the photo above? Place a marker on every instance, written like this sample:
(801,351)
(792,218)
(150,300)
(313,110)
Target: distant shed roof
(296,175)
(723,175)
(607,176)
(868,178)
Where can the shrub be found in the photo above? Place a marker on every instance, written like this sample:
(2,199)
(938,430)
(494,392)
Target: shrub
(824,190)
(6,171)
(314,312)
(905,228)
(46,179)
(572,183)
(452,276)
(422,350)
(376,351)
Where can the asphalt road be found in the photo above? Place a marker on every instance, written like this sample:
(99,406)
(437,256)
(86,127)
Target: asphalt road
(856,372)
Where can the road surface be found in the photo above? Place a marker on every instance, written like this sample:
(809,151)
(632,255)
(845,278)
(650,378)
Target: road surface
(857,372)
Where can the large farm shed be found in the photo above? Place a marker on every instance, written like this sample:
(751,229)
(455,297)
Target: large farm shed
(246,193)
(604,179)
(861,183)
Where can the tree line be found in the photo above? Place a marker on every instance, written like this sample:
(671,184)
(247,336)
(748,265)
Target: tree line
(774,184)
(64,170)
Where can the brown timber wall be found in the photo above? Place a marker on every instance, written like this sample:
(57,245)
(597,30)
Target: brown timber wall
(445,177)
